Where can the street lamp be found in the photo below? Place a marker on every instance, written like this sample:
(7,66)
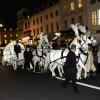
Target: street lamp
(1,25)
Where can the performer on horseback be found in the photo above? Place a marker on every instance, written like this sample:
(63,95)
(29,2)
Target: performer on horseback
(17,48)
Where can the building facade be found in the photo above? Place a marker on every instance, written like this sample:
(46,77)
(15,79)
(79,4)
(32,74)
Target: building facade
(7,36)
(93,15)
(58,17)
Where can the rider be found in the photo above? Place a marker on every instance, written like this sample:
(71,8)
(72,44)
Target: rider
(17,48)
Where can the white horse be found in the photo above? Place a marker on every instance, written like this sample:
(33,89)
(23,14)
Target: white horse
(56,58)
(10,58)
(41,51)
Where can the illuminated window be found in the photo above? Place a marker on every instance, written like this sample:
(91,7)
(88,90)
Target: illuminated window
(72,6)
(5,41)
(94,18)
(98,16)
(80,3)
(10,35)
(16,35)
(5,35)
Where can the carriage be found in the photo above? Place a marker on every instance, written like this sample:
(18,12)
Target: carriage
(9,57)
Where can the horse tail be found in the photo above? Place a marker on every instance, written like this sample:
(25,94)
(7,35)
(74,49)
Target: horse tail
(47,62)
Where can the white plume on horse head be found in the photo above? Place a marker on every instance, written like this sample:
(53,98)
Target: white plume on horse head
(82,29)
(75,28)
(45,38)
(40,36)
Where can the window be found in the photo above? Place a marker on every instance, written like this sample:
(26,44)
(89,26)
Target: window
(5,41)
(10,35)
(37,20)
(37,31)
(80,20)
(41,19)
(5,35)
(80,3)
(47,30)
(29,24)
(34,32)
(46,17)
(98,16)
(51,15)
(16,35)
(72,6)
(33,22)
(93,1)
(51,27)
(41,29)
(57,26)
(25,25)
(65,24)
(94,18)
(73,21)
(56,12)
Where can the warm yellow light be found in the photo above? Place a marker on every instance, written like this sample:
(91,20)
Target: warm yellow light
(1,25)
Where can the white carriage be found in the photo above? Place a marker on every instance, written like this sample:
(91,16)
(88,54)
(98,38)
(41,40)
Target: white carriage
(9,56)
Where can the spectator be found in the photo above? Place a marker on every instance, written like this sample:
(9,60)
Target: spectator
(28,58)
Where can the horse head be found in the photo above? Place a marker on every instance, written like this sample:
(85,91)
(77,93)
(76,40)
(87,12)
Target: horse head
(75,28)
(82,29)
(92,39)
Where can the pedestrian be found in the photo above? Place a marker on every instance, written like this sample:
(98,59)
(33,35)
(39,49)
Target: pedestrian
(90,66)
(70,68)
(98,66)
(28,58)
(17,48)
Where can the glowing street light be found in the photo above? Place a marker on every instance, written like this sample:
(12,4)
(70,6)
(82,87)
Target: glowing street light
(1,25)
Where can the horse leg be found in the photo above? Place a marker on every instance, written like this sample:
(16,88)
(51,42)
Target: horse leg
(82,66)
(79,69)
(34,65)
(15,65)
(60,69)
(52,68)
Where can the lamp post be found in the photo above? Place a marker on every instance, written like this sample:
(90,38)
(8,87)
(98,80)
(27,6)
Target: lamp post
(1,25)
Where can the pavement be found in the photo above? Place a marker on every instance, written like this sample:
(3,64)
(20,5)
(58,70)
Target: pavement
(21,85)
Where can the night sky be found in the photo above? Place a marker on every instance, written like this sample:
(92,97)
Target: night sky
(9,8)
